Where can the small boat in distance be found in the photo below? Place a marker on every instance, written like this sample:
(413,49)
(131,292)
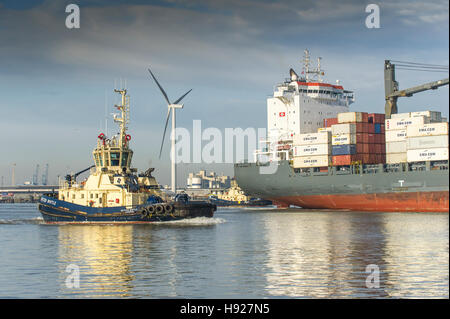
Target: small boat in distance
(113,192)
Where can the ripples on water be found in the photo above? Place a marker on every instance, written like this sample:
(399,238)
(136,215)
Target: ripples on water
(240,253)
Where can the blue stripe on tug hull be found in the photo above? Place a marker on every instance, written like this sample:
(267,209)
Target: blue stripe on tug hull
(57,211)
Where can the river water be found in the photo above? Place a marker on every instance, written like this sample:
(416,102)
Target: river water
(240,253)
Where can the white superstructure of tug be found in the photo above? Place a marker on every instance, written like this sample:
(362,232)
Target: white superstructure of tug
(299,105)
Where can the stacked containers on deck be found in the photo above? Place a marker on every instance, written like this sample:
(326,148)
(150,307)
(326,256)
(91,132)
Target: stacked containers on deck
(358,137)
(428,142)
(396,135)
(312,150)
(377,144)
(409,136)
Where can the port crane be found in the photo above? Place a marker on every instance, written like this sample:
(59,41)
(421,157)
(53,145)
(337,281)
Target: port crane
(392,92)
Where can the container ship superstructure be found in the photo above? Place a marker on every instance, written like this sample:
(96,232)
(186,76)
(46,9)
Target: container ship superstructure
(320,155)
(114,192)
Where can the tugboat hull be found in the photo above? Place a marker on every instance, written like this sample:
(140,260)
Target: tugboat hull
(57,211)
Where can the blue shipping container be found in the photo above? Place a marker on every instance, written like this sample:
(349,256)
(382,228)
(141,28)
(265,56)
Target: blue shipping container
(377,128)
(348,149)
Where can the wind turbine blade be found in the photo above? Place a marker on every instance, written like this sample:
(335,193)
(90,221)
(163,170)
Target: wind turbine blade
(160,87)
(164,134)
(182,97)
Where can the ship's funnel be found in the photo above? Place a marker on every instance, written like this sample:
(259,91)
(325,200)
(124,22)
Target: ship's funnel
(293,75)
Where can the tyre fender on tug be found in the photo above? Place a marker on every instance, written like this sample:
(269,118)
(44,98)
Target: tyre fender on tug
(159,209)
(168,208)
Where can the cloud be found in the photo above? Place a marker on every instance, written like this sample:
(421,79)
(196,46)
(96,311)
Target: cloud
(230,52)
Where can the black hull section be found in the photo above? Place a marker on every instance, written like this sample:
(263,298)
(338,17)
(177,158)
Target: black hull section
(56,211)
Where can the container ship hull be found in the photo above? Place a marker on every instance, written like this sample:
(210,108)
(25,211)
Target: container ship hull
(381,190)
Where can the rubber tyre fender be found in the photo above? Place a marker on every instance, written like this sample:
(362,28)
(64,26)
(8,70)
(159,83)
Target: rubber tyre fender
(168,208)
(150,209)
(159,209)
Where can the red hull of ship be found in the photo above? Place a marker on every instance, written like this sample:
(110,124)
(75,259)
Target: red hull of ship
(383,202)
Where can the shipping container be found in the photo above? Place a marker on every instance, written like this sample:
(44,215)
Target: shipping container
(376,118)
(377,128)
(362,148)
(347,149)
(314,149)
(351,117)
(432,115)
(430,154)
(392,158)
(396,147)
(427,142)
(324,129)
(380,138)
(350,159)
(371,138)
(427,129)
(312,161)
(330,121)
(362,138)
(342,139)
(395,136)
(400,115)
(349,128)
(401,124)
(312,138)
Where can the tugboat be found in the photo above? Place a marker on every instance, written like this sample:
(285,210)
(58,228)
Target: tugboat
(235,196)
(113,193)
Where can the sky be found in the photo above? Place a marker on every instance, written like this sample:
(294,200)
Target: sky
(57,83)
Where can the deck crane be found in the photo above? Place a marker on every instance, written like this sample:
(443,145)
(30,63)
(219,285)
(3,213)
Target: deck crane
(392,93)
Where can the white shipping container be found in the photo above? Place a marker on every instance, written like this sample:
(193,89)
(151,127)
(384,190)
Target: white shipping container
(395,135)
(343,139)
(439,141)
(396,147)
(349,117)
(312,138)
(394,158)
(324,129)
(311,161)
(401,124)
(314,149)
(433,115)
(428,154)
(400,115)
(427,130)
(347,128)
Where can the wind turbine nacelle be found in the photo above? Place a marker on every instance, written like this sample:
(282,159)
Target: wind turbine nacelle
(176,106)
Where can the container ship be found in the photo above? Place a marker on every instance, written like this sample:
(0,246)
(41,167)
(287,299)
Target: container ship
(319,155)
(114,192)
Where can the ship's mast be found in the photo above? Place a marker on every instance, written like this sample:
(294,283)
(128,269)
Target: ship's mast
(124,120)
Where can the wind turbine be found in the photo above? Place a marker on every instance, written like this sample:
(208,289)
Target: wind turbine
(171,107)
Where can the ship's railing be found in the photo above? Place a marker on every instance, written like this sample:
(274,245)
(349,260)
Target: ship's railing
(360,169)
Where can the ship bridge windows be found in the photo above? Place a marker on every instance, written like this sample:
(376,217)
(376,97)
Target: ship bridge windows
(124,158)
(115,157)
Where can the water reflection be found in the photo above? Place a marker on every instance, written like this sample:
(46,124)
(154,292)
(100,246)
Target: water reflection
(415,263)
(326,254)
(261,254)
(103,254)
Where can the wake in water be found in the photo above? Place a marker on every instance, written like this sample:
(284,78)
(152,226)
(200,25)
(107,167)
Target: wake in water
(197,221)
(29,221)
